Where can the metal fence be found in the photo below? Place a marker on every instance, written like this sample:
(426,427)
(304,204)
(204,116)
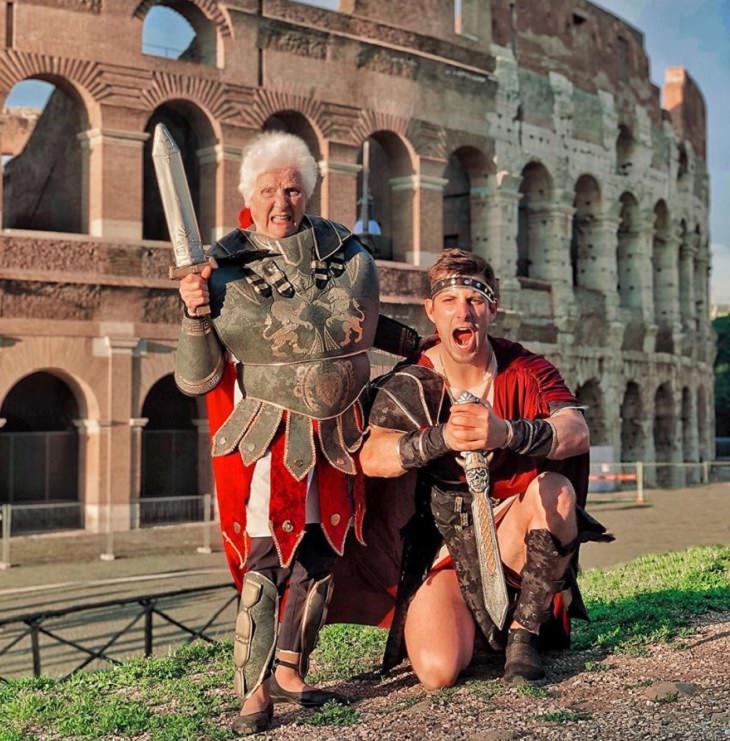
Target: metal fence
(633,479)
(190,522)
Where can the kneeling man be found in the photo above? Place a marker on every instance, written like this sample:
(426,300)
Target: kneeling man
(538,442)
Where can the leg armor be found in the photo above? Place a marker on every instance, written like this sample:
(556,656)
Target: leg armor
(540,581)
(313,617)
(257,627)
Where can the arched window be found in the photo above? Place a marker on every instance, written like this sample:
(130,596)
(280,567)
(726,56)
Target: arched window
(169,451)
(591,396)
(629,269)
(293,122)
(176,29)
(533,224)
(682,162)
(632,434)
(39,452)
(192,131)
(387,207)
(44,183)
(624,150)
(584,243)
(664,430)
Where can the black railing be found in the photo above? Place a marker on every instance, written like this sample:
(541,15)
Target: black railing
(35,626)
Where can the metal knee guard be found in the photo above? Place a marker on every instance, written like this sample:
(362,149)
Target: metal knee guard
(257,628)
(313,617)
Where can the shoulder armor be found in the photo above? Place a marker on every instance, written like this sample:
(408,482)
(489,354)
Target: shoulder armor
(408,398)
(229,244)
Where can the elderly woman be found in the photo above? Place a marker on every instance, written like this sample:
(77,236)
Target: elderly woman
(293,310)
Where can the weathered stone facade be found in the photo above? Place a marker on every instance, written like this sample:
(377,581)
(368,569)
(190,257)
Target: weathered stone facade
(529,132)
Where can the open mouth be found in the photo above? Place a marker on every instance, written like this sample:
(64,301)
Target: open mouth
(464,337)
(281,219)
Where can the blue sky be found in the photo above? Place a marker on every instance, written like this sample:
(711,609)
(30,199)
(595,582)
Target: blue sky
(690,33)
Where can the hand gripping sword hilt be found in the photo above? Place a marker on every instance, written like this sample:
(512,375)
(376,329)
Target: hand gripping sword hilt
(176,273)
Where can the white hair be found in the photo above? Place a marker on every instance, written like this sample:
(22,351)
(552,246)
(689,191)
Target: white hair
(276,150)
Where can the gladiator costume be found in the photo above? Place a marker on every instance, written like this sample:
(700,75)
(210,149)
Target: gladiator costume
(527,389)
(296,316)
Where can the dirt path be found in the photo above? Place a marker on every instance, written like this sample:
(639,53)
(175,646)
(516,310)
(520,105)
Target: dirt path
(679,690)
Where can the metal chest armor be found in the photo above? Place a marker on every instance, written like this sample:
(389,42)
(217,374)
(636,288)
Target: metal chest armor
(299,314)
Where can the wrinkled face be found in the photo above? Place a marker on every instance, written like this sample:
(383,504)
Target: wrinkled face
(277,204)
(462,317)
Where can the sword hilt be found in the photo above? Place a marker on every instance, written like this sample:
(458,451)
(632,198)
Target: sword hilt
(178,273)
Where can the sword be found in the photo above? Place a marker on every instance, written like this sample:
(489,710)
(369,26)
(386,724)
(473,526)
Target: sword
(187,245)
(494,587)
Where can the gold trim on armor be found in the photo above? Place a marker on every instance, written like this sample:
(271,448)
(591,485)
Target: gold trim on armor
(304,360)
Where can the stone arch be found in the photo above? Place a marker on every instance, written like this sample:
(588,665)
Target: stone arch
(39,441)
(169,465)
(533,225)
(584,244)
(624,150)
(628,253)
(191,128)
(632,432)
(664,432)
(682,162)
(208,22)
(388,160)
(294,122)
(45,185)
(664,278)
(467,169)
(590,396)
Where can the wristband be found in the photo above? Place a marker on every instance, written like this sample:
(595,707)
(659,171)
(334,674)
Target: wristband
(418,448)
(530,437)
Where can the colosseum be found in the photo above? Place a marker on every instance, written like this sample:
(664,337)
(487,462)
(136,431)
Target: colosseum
(529,132)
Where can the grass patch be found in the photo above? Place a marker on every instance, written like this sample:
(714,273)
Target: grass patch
(345,651)
(530,690)
(652,598)
(188,695)
(333,714)
(596,666)
(564,716)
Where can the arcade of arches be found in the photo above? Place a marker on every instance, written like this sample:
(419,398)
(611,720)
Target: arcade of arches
(590,204)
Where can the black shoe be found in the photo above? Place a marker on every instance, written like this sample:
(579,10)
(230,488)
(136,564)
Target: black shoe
(523,662)
(247,725)
(306,699)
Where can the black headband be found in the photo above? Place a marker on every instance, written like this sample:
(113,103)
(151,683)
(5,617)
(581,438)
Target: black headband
(465,282)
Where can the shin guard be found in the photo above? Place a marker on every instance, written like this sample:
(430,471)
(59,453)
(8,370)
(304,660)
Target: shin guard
(257,628)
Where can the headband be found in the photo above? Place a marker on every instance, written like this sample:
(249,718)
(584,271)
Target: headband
(466,282)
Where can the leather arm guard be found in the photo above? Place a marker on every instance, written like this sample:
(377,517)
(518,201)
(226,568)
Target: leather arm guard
(199,361)
(257,628)
(418,448)
(530,437)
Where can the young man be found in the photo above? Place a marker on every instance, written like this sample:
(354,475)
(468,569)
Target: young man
(539,444)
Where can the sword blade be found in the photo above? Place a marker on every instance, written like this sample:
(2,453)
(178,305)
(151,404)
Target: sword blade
(494,586)
(176,201)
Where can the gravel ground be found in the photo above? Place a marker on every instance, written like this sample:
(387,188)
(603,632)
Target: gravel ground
(677,690)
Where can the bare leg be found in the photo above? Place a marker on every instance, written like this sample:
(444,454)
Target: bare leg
(439,631)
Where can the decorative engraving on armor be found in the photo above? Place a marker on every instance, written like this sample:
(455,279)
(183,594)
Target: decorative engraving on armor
(307,328)
(203,385)
(329,385)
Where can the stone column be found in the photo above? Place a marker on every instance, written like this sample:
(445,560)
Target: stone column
(338,192)
(136,425)
(111,506)
(691,440)
(417,218)
(220,201)
(666,290)
(688,309)
(501,213)
(89,466)
(556,266)
(701,270)
(205,473)
(603,276)
(112,166)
